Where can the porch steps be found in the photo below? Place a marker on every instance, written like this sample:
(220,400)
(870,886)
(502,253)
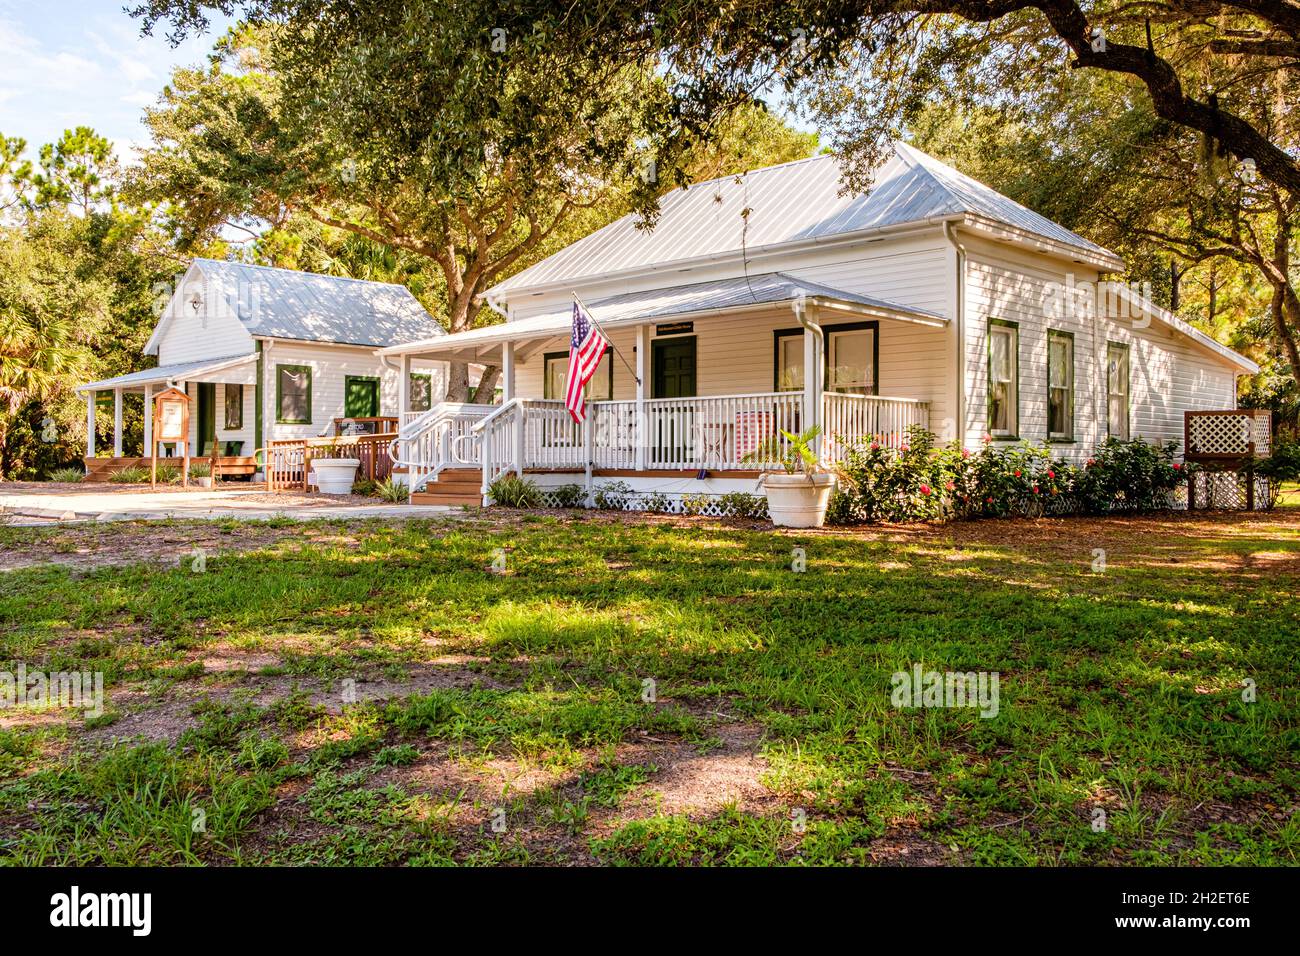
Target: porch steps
(455,486)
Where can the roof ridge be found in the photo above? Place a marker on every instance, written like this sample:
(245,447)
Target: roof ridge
(301,272)
(757,169)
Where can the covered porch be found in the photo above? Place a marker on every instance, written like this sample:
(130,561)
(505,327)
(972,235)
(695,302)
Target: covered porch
(229,448)
(674,398)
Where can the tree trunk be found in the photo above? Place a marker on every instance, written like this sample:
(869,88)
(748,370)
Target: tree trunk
(485,394)
(1286,317)
(457,382)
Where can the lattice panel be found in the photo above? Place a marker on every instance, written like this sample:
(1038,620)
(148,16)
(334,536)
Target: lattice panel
(1226,490)
(1228,433)
(1219,434)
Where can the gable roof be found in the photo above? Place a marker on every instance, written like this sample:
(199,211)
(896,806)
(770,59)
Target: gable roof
(789,205)
(309,307)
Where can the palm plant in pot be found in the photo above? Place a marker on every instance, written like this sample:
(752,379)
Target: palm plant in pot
(798,494)
(334,470)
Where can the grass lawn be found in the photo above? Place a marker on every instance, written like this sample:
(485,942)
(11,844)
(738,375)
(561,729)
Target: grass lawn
(596,689)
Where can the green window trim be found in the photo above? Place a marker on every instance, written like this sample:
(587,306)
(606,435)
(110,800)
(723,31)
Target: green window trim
(279,395)
(1128,389)
(546,378)
(427,378)
(1014,327)
(233,402)
(873,327)
(1066,437)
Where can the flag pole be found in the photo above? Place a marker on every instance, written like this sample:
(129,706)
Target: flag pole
(599,328)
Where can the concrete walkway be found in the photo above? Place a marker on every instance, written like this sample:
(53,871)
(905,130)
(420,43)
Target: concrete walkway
(68,504)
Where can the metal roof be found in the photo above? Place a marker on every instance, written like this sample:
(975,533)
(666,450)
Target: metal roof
(722,296)
(798,202)
(286,304)
(169,373)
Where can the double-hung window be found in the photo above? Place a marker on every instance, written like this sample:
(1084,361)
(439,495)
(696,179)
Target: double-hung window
(1117,390)
(1004,379)
(1060,386)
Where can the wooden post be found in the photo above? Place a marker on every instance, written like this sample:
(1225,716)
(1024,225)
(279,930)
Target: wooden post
(306,465)
(1250,476)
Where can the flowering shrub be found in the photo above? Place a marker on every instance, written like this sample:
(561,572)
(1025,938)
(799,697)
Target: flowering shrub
(919,481)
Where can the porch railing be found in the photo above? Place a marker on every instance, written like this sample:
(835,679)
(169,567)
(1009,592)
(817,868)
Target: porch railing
(717,433)
(443,437)
(849,418)
(288,462)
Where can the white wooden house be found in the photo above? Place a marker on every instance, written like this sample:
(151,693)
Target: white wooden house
(269,355)
(932,299)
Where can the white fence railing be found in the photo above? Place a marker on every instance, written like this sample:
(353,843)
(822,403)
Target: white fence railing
(718,433)
(849,418)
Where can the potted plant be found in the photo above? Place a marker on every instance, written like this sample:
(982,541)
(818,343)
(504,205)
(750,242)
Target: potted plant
(201,473)
(334,473)
(797,495)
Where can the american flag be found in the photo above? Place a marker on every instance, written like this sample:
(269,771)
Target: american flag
(586,348)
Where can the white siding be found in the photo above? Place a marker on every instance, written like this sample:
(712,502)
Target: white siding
(209,332)
(330,365)
(1170,373)
(736,355)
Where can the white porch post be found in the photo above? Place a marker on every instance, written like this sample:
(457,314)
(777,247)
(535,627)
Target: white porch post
(148,421)
(507,372)
(90,424)
(642,366)
(117,423)
(813,373)
(403,390)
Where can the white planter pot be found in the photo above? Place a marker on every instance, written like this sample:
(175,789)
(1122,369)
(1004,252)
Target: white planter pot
(798,501)
(334,476)
(203,482)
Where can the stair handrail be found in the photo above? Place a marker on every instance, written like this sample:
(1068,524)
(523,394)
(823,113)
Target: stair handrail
(489,423)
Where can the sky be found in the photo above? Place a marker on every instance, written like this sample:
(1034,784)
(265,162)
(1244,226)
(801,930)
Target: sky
(66,63)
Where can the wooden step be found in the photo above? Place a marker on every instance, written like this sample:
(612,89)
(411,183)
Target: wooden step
(450,500)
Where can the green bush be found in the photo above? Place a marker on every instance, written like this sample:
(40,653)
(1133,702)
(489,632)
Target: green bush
(167,474)
(656,502)
(391,491)
(569,496)
(613,496)
(134,475)
(920,482)
(511,491)
(1283,464)
(69,475)
(201,469)
(739,504)
(364,487)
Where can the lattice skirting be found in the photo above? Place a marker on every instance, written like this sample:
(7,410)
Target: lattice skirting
(1227,490)
(735,504)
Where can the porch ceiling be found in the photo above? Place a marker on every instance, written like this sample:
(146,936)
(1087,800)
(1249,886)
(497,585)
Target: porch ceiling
(196,371)
(720,299)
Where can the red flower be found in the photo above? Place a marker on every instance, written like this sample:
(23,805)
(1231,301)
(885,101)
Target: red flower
(1177,467)
(1091,462)
(1050,473)
(1035,489)
(987,438)
(950,486)
(1017,472)
(925,490)
(902,448)
(965,453)
(989,499)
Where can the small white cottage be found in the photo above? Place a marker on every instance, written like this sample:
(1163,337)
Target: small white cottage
(774,301)
(273,354)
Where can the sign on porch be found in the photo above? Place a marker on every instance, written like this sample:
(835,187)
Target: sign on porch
(171,423)
(674,328)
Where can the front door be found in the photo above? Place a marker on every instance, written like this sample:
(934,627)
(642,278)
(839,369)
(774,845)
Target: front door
(673,376)
(207,423)
(361,397)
